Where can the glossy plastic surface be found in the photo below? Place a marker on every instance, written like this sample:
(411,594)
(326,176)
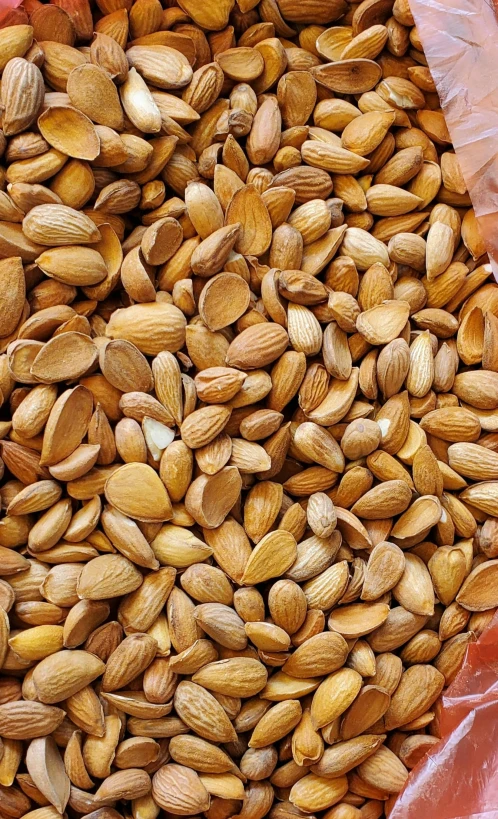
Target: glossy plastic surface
(460,39)
(459,778)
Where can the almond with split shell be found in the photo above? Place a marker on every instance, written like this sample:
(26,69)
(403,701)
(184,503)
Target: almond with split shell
(419,688)
(120,491)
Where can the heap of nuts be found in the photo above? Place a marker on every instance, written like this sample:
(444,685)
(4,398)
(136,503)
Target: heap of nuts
(249,409)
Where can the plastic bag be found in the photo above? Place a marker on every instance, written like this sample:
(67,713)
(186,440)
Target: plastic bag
(459,39)
(459,778)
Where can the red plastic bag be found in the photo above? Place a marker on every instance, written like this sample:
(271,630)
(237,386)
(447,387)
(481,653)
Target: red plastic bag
(459,779)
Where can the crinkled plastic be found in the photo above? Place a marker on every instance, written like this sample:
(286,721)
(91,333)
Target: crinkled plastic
(460,39)
(459,778)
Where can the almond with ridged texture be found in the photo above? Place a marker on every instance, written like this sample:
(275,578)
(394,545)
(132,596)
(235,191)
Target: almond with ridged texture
(344,756)
(317,444)
(108,576)
(478,388)
(261,509)
(59,225)
(21,95)
(363,248)
(365,133)
(257,346)
(179,789)
(151,327)
(317,793)
(419,688)
(64,673)
(218,384)
(205,88)
(15,40)
(321,654)
(321,514)
(276,723)
(204,209)
(202,426)
(439,251)
(21,720)
(388,200)
(383,770)
(264,138)
(477,592)
(384,569)
(132,783)
(454,424)
(211,254)
(383,501)
(223,624)
(12,293)
(64,358)
(74,265)
(138,104)
(234,677)
(162,66)
(130,659)
(334,696)
(337,402)
(330,157)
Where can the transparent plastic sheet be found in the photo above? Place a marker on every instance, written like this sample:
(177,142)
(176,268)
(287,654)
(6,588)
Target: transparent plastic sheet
(459,778)
(460,39)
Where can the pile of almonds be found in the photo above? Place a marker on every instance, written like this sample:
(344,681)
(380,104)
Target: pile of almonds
(249,409)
